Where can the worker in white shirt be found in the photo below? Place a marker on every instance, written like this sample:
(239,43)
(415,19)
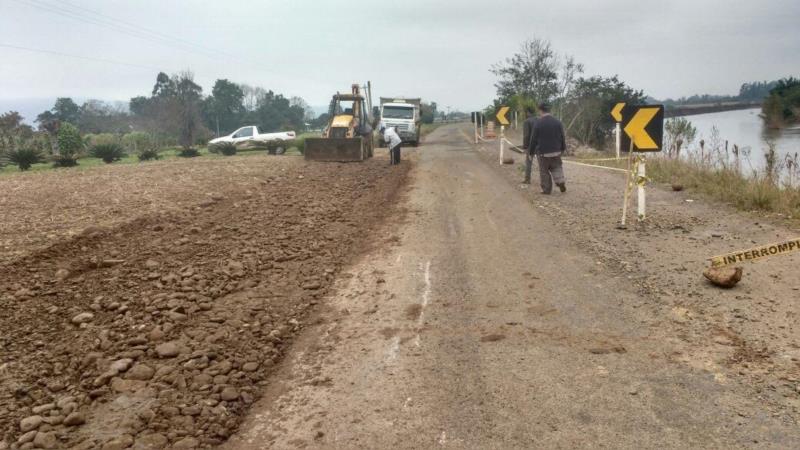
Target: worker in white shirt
(393,140)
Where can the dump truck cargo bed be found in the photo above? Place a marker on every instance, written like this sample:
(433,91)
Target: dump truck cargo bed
(335,149)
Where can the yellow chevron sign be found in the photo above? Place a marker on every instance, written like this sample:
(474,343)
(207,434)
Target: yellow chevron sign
(643,126)
(636,129)
(501,115)
(616,113)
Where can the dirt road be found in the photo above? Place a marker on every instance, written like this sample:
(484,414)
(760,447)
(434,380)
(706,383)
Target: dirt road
(503,319)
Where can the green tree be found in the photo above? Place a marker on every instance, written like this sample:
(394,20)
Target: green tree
(532,72)
(164,87)
(586,113)
(67,110)
(223,109)
(187,97)
(70,145)
(782,107)
(275,112)
(11,123)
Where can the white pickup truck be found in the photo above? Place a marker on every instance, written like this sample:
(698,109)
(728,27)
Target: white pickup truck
(249,135)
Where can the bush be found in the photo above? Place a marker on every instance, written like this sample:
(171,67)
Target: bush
(148,154)
(107,152)
(24,157)
(92,140)
(225,148)
(137,141)
(188,153)
(70,146)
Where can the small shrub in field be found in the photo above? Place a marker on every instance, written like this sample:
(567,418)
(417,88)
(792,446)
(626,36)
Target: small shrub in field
(188,153)
(107,152)
(70,146)
(148,154)
(226,148)
(24,157)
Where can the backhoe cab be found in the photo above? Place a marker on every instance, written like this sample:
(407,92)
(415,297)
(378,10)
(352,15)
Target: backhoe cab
(348,136)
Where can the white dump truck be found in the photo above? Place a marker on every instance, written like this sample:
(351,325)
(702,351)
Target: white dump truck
(405,114)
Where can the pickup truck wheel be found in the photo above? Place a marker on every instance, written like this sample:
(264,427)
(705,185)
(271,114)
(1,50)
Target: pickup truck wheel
(280,151)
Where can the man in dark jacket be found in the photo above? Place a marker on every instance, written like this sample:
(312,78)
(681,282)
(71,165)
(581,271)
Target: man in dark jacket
(548,143)
(527,129)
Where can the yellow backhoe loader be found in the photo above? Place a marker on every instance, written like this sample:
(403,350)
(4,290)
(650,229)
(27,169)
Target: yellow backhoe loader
(348,136)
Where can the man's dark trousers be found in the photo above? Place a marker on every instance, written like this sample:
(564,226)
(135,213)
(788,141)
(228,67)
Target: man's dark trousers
(394,154)
(528,167)
(550,170)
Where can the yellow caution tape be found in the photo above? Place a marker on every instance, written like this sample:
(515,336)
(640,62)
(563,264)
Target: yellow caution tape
(755,253)
(615,169)
(599,159)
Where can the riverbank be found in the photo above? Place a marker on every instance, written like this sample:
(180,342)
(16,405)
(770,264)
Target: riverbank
(706,108)
(756,193)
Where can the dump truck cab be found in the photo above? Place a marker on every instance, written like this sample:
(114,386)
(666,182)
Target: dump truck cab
(405,115)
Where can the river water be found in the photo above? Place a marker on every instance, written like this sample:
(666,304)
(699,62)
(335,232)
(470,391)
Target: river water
(746,129)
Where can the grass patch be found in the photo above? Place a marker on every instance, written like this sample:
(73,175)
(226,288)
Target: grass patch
(754,193)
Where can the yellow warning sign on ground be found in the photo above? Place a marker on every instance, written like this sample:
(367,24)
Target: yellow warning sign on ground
(756,253)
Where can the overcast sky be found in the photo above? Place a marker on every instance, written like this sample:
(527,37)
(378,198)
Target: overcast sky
(439,50)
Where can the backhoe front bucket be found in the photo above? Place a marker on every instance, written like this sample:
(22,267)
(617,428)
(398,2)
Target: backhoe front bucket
(335,149)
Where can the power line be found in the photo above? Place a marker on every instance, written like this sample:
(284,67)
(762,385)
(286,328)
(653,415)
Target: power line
(130,31)
(147,30)
(87,58)
(54,9)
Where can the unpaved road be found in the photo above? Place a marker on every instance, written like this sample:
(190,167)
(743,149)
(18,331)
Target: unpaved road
(503,319)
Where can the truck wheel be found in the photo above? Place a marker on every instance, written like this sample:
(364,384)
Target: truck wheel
(280,151)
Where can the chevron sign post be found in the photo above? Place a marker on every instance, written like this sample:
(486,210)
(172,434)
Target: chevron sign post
(643,127)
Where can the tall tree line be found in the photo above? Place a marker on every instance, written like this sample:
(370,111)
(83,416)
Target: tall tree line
(177,111)
(537,73)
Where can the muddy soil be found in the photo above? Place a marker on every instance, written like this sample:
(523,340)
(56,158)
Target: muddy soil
(144,306)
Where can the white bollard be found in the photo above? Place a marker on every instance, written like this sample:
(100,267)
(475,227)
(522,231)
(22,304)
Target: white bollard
(618,132)
(640,183)
(502,136)
(475,126)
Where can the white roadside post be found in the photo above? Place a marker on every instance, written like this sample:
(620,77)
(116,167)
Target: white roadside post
(618,132)
(481,126)
(475,126)
(502,138)
(640,181)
